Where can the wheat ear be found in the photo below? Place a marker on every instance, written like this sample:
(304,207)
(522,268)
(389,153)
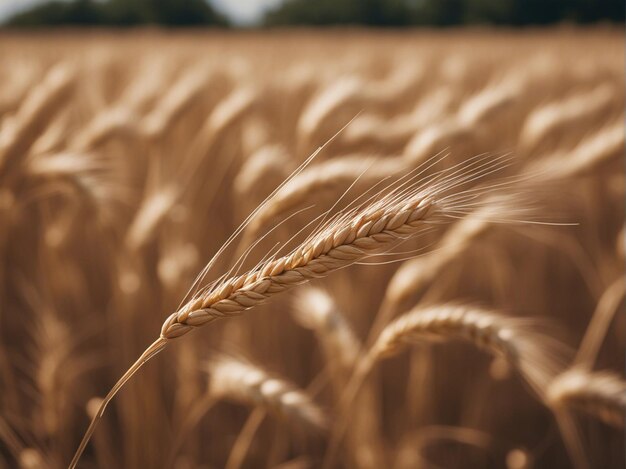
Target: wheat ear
(34,114)
(538,358)
(595,151)
(316,310)
(350,237)
(329,177)
(240,381)
(600,394)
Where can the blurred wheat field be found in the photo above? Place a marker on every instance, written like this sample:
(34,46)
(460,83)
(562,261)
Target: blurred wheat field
(493,339)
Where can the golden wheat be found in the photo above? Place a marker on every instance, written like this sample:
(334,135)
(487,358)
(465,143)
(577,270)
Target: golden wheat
(427,172)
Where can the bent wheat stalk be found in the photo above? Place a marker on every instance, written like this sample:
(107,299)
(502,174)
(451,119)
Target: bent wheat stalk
(593,153)
(537,357)
(601,394)
(238,380)
(376,226)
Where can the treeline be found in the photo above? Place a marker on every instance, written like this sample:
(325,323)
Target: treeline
(384,13)
(444,12)
(120,13)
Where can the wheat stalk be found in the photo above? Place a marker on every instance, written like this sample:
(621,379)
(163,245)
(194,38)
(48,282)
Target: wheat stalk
(329,177)
(601,394)
(175,140)
(263,170)
(548,122)
(346,241)
(537,357)
(34,114)
(594,152)
(174,103)
(239,380)
(368,128)
(354,235)
(315,309)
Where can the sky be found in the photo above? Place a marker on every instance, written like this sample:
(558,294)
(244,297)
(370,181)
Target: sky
(240,12)
(244,12)
(9,7)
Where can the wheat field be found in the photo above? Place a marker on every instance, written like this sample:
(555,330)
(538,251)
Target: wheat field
(413,242)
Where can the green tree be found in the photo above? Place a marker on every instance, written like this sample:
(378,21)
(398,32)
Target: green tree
(120,13)
(443,12)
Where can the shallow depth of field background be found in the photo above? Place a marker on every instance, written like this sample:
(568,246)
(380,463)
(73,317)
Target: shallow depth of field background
(128,157)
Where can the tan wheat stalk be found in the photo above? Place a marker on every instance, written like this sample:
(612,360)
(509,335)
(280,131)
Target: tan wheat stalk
(174,103)
(349,239)
(329,177)
(119,121)
(349,92)
(368,128)
(123,118)
(537,357)
(150,79)
(336,95)
(449,133)
(488,104)
(161,196)
(548,122)
(256,134)
(227,114)
(31,458)
(84,179)
(54,137)
(598,150)
(153,209)
(592,154)
(412,275)
(240,381)
(606,309)
(265,169)
(83,172)
(315,309)
(460,131)
(374,227)
(601,394)
(34,114)
(104,448)
(17,81)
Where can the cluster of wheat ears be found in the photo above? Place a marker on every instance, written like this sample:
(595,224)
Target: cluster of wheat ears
(421,236)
